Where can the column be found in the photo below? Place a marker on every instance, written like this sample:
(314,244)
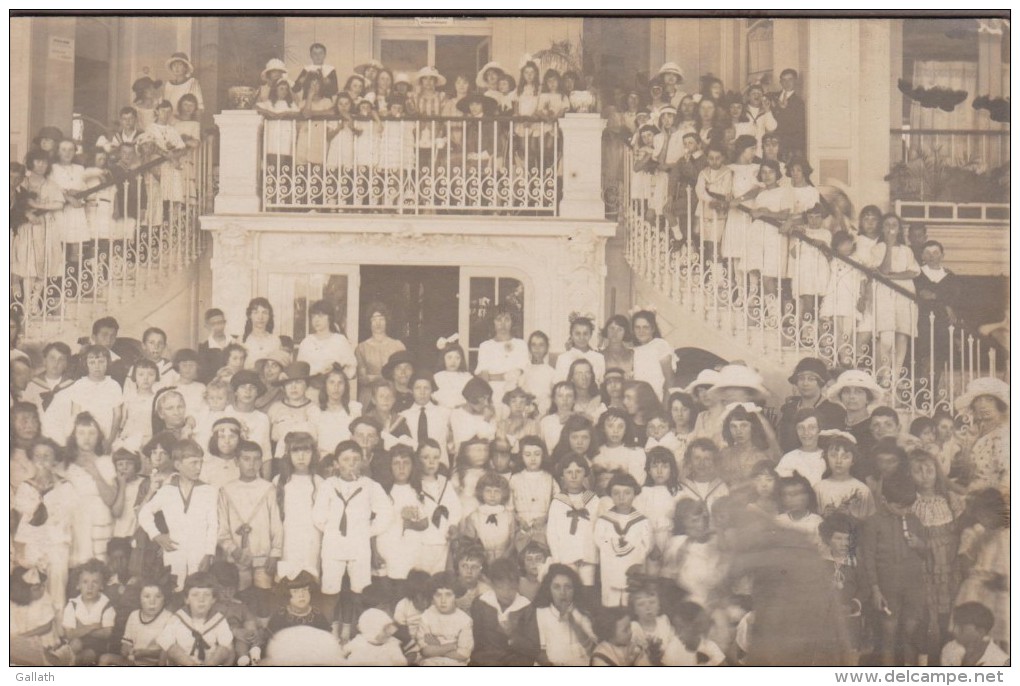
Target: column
(582,167)
(239,191)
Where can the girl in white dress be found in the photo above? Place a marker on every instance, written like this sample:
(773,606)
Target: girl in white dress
(839,306)
(296,486)
(93,478)
(72,220)
(868,236)
(653,355)
(895,314)
(325,346)
(332,425)
(502,359)
(279,111)
(258,338)
(182,81)
(453,374)
(744,188)
(528,89)
(399,544)
(99,204)
(810,267)
(767,248)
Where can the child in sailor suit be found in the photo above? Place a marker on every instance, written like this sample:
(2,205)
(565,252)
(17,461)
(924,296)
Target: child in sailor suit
(623,537)
(441,506)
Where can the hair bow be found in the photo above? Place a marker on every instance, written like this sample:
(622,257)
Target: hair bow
(525,58)
(642,308)
(574,316)
(749,407)
(32,576)
(514,442)
(833,433)
(675,389)
(390,441)
(486,432)
(444,341)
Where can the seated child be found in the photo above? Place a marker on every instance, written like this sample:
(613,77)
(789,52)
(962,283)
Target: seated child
(299,611)
(34,630)
(140,647)
(407,614)
(240,617)
(495,616)
(617,647)
(197,635)
(375,644)
(444,636)
(534,560)
(692,648)
(469,563)
(971,645)
(89,618)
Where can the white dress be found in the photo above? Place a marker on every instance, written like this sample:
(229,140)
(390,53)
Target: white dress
(174,91)
(258,348)
(302,542)
(399,546)
(72,221)
(738,222)
(766,247)
(92,524)
(648,363)
(895,312)
(842,292)
(320,354)
(809,268)
(508,358)
(450,393)
(333,426)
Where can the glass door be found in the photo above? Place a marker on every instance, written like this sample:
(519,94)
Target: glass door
(292,292)
(483,292)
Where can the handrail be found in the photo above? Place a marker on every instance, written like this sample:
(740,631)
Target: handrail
(334,116)
(877,276)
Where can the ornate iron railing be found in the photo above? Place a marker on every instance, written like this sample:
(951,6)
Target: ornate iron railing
(491,165)
(135,230)
(767,293)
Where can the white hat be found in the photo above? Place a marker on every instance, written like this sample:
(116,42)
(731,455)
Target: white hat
(666,109)
(303,645)
(706,377)
(363,67)
(986,385)
(274,64)
(672,68)
(855,378)
(401,77)
(738,376)
(426,72)
(180,57)
(372,622)
(480,78)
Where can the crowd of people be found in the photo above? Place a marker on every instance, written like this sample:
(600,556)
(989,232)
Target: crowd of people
(69,199)
(619,503)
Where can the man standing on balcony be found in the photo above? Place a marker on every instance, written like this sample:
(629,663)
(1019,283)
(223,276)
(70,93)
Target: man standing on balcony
(790,116)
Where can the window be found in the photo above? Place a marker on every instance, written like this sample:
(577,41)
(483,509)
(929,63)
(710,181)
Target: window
(485,296)
(759,50)
(292,294)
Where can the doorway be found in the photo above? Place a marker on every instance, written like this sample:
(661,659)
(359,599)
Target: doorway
(423,303)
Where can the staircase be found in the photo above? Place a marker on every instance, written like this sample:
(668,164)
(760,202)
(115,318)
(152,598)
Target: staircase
(143,256)
(703,300)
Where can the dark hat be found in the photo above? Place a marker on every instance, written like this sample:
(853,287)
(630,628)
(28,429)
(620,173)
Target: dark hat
(145,82)
(476,388)
(742,143)
(423,375)
(397,358)
(302,579)
(295,371)
(185,355)
(812,365)
(614,371)
(247,376)
(517,392)
(51,132)
(489,106)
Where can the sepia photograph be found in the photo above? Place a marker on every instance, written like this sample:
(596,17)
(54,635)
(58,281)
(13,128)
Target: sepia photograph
(510,339)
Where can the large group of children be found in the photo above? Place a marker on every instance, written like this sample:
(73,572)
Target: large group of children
(235,503)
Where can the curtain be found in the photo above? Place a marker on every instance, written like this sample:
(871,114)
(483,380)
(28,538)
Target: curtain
(961,76)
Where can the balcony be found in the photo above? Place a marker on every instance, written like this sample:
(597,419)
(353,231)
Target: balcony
(493,166)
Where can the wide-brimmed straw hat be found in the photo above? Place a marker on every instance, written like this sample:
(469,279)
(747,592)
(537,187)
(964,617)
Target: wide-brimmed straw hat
(361,68)
(279,356)
(427,72)
(854,378)
(986,385)
(706,377)
(480,77)
(274,64)
(489,106)
(402,77)
(738,376)
(181,57)
(672,68)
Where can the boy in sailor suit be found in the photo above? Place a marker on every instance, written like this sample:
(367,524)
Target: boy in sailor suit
(189,508)
(330,85)
(350,510)
(572,517)
(623,537)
